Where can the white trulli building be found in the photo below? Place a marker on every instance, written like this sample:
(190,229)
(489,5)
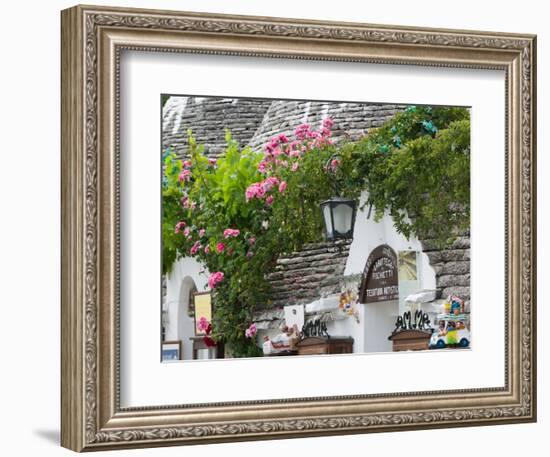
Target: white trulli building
(315,278)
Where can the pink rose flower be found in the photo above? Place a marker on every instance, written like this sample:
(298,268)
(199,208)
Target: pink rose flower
(215,279)
(220,247)
(202,232)
(269,183)
(249,254)
(322,141)
(212,162)
(269,200)
(251,331)
(195,248)
(271,145)
(187,164)
(282,138)
(262,166)
(202,324)
(228,233)
(302,131)
(334,164)
(260,191)
(185,175)
(252,191)
(294,153)
(295,166)
(325,133)
(282,187)
(312,134)
(252,240)
(328,123)
(187,231)
(179,226)
(207,249)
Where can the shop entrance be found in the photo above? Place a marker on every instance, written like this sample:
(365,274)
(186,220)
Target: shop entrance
(379,321)
(379,294)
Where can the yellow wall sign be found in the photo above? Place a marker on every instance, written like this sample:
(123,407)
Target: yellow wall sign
(407,266)
(203,308)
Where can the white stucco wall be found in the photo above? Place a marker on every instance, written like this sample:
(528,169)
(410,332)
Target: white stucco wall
(369,234)
(370,333)
(185,273)
(379,322)
(376,320)
(349,326)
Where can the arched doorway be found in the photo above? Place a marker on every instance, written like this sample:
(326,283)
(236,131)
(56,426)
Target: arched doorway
(186,314)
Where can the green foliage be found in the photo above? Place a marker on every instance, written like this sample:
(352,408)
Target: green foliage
(417,168)
(207,197)
(238,214)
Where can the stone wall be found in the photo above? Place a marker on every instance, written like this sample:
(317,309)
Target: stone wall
(451,266)
(313,272)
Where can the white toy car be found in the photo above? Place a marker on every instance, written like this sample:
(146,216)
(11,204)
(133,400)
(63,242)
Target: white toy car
(452,332)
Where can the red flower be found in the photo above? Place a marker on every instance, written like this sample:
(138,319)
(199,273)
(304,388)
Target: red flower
(209,341)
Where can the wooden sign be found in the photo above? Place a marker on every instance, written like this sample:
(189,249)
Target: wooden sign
(380,279)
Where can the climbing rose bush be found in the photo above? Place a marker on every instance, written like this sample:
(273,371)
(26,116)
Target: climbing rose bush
(251,331)
(236,214)
(215,279)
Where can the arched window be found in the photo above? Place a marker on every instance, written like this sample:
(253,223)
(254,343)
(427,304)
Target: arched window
(188,288)
(191,302)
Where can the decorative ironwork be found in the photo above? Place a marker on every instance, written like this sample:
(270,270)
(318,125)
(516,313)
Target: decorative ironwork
(315,328)
(420,321)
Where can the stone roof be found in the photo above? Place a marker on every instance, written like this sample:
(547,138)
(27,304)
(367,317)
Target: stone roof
(351,120)
(254,121)
(208,118)
(315,271)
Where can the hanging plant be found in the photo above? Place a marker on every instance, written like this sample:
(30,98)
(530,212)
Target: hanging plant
(416,167)
(238,213)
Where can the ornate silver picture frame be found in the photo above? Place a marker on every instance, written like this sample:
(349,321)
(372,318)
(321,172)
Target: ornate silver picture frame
(93,40)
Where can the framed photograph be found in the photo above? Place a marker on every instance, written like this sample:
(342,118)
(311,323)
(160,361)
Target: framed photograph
(293,196)
(171,351)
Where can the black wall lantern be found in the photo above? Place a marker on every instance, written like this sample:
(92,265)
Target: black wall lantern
(338,213)
(339,217)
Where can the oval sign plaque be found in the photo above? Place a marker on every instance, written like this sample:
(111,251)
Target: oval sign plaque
(380,280)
